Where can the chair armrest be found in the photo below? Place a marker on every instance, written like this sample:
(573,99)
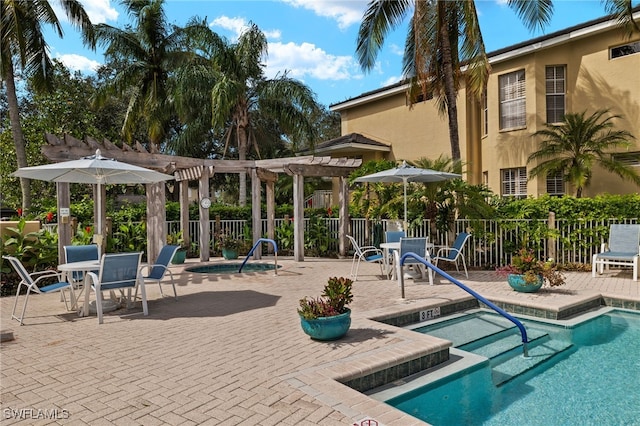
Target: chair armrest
(363,248)
(373,249)
(95,281)
(447,250)
(150,267)
(41,275)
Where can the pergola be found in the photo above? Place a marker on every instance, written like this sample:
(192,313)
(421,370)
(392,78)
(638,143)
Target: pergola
(187,169)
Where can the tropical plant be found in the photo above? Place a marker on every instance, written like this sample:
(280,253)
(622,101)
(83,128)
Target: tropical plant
(131,236)
(285,236)
(248,106)
(526,264)
(317,236)
(176,239)
(23,39)
(334,300)
(143,57)
(442,35)
(576,145)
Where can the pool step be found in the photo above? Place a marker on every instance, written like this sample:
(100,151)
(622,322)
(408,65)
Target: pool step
(518,364)
(503,343)
(463,331)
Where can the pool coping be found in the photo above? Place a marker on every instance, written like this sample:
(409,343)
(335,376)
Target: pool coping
(344,384)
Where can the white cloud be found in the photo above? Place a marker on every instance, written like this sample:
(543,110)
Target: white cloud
(308,60)
(345,12)
(78,63)
(391,80)
(100,11)
(238,25)
(396,50)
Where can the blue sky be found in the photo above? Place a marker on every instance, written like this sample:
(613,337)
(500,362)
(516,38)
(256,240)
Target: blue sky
(314,40)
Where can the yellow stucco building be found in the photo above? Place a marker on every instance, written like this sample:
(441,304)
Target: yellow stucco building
(587,67)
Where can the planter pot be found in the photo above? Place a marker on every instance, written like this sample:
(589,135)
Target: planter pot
(179,257)
(517,282)
(229,254)
(327,328)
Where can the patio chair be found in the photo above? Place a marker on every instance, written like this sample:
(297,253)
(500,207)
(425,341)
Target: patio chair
(417,246)
(118,272)
(30,281)
(369,254)
(159,268)
(623,249)
(454,253)
(80,254)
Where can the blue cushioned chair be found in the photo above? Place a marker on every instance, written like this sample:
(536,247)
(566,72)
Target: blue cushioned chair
(160,267)
(118,272)
(369,254)
(417,246)
(31,284)
(454,253)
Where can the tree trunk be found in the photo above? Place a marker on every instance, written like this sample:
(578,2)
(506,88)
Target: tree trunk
(243,143)
(18,137)
(449,85)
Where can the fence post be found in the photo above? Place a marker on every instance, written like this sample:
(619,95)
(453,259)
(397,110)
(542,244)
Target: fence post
(551,241)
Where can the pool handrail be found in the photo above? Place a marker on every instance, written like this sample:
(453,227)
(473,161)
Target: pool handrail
(523,331)
(261,240)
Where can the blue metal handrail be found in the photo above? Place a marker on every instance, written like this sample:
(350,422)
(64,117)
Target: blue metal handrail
(523,331)
(261,240)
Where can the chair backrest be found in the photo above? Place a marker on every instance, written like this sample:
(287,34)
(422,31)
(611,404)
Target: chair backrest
(624,238)
(415,245)
(354,243)
(120,270)
(394,236)
(81,254)
(458,245)
(22,272)
(164,258)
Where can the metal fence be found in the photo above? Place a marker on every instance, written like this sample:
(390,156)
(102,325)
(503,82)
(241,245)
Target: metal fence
(492,243)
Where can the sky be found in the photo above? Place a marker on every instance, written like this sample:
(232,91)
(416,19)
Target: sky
(313,40)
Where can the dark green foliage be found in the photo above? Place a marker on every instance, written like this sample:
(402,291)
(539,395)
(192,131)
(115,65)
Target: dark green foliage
(334,300)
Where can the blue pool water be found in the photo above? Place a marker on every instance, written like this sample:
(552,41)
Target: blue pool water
(596,381)
(231,268)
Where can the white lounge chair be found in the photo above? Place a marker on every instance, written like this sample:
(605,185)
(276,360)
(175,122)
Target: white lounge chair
(623,249)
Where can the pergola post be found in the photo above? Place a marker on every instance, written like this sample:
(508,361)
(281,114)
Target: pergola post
(184,211)
(256,214)
(343,224)
(271,212)
(156,219)
(205,224)
(64,222)
(298,217)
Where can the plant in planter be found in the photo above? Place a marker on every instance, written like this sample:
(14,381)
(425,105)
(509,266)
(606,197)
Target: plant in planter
(327,317)
(528,274)
(230,245)
(176,239)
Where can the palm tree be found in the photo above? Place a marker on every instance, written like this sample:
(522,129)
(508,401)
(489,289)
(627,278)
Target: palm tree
(442,35)
(579,143)
(144,57)
(244,101)
(23,40)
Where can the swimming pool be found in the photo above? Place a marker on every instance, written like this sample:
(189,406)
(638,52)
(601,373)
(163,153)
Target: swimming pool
(595,380)
(232,268)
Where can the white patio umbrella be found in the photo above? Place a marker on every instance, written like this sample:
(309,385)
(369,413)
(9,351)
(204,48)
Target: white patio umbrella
(404,174)
(94,169)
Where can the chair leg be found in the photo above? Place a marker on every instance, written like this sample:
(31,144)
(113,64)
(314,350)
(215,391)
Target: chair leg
(99,305)
(464,265)
(143,294)
(635,268)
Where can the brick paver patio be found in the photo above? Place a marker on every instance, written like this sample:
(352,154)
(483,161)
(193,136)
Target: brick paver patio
(231,351)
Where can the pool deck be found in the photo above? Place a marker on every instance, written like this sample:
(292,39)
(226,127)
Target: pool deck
(230,350)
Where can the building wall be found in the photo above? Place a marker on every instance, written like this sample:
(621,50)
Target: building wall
(593,81)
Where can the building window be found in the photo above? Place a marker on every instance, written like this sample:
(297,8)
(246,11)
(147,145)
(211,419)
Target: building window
(512,101)
(555,184)
(485,178)
(485,113)
(624,50)
(514,182)
(628,158)
(555,77)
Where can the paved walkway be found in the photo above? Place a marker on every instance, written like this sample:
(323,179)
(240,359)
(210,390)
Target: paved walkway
(230,351)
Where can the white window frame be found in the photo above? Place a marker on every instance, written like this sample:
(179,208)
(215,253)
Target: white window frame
(556,89)
(556,184)
(513,182)
(485,113)
(632,48)
(512,95)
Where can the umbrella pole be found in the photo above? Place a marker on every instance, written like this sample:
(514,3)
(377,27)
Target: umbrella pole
(404,223)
